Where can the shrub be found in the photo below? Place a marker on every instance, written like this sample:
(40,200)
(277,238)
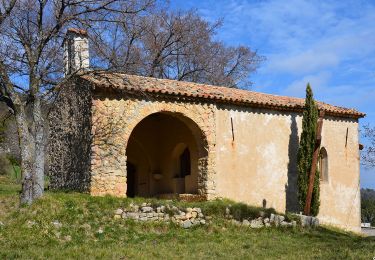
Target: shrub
(9,166)
(5,165)
(2,133)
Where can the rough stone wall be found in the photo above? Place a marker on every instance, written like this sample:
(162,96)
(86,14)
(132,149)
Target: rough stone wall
(114,118)
(70,137)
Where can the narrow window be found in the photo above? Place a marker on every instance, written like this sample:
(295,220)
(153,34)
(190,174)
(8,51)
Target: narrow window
(185,165)
(323,165)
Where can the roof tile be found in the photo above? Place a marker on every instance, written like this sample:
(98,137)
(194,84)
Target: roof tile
(125,82)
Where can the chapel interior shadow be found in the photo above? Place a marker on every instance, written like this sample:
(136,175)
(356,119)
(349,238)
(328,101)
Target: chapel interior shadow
(163,155)
(291,186)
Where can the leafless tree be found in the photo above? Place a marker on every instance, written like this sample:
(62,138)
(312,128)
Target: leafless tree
(31,35)
(174,45)
(134,36)
(368,154)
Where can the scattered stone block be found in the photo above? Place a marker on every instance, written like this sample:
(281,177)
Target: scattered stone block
(272,218)
(308,221)
(245,223)
(285,224)
(118,211)
(186,224)
(256,223)
(314,222)
(56,224)
(147,209)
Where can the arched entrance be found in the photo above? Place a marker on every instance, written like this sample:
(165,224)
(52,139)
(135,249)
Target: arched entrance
(164,153)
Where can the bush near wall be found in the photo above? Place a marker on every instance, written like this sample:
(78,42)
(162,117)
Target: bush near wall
(2,133)
(5,165)
(9,166)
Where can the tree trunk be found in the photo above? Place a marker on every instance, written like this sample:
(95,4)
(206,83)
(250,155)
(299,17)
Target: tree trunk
(39,162)
(27,155)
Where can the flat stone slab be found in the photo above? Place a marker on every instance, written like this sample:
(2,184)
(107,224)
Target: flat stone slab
(370,232)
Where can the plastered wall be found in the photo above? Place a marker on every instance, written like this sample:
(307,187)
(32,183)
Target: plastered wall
(256,162)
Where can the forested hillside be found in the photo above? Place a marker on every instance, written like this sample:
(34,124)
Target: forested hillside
(368,206)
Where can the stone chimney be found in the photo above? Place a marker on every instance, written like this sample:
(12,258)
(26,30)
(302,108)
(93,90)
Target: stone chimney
(76,51)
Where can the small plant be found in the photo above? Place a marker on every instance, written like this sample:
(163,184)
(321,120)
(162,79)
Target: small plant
(15,165)
(2,132)
(292,217)
(241,211)
(5,165)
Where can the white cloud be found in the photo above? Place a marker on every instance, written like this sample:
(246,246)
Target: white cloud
(303,62)
(298,36)
(318,82)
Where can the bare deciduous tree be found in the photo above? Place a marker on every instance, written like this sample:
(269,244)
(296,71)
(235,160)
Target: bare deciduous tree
(174,45)
(368,154)
(133,36)
(31,34)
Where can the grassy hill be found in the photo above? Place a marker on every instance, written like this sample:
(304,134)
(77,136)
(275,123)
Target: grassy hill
(78,226)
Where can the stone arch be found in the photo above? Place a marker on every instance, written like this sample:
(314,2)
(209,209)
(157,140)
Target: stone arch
(113,122)
(193,122)
(186,115)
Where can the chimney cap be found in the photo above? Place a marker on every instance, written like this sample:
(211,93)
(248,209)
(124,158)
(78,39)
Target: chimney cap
(77,31)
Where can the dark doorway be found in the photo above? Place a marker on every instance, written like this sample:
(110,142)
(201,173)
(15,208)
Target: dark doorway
(165,150)
(185,164)
(131,180)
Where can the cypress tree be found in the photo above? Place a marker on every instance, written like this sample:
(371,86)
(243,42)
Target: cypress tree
(315,200)
(305,153)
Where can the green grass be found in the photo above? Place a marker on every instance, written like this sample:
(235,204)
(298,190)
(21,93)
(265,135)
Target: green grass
(82,216)
(16,172)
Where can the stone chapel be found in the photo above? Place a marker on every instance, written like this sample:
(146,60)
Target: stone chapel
(126,135)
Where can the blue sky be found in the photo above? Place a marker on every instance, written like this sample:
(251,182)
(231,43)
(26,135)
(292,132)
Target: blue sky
(330,44)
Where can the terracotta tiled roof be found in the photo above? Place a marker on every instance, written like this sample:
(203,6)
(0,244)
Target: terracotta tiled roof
(132,83)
